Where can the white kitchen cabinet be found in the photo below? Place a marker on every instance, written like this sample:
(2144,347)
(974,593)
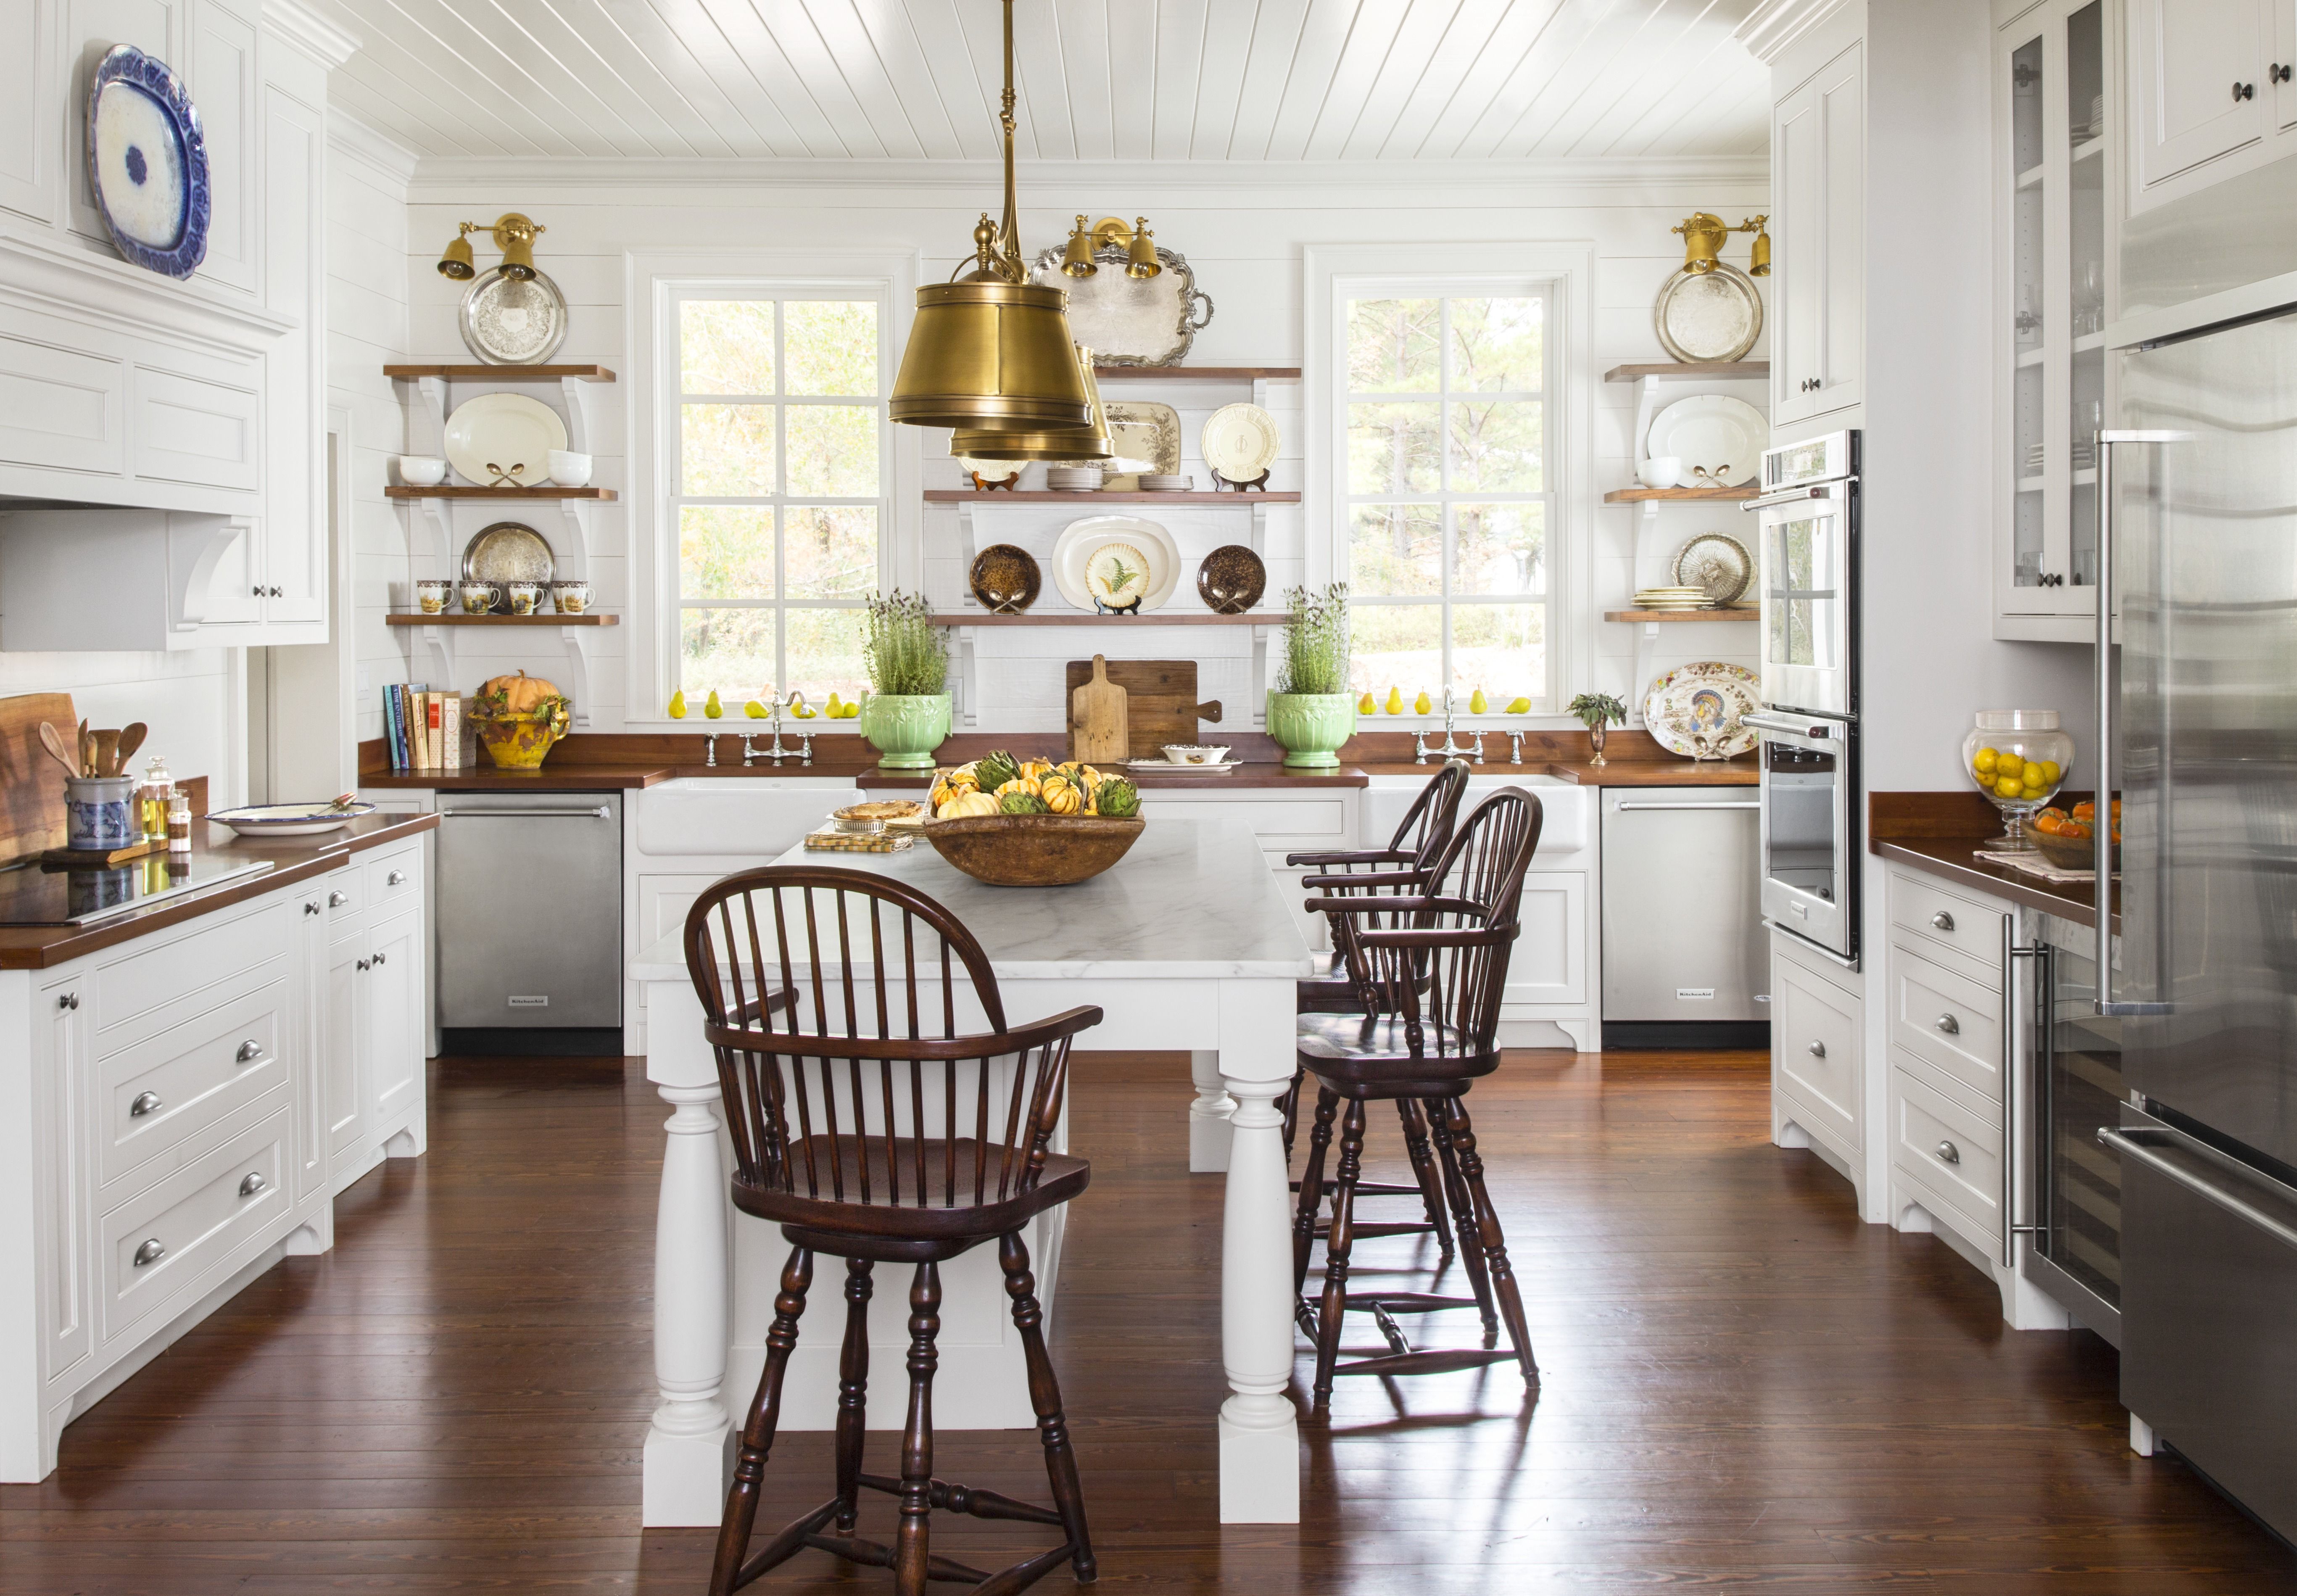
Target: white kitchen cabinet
(341,1091)
(1818,1088)
(1818,218)
(2201,81)
(373,1009)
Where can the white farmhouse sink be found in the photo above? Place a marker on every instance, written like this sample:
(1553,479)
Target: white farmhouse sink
(739,815)
(1566,822)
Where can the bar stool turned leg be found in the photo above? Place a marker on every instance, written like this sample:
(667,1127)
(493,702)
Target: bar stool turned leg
(1312,1186)
(1424,1171)
(852,1391)
(1463,1220)
(1289,1105)
(1045,1396)
(1337,1242)
(1488,1235)
(911,1555)
(758,1433)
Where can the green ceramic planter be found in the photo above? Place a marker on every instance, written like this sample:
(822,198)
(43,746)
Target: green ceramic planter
(1312,727)
(905,727)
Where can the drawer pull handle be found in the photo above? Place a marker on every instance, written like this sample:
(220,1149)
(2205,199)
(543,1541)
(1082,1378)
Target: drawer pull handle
(311,907)
(152,1250)
(1818,1050)
(145,1103)
(1948,1025)
(249,1051)
(1948,1153)
(396,879)
(1942,920)
(68,1000)
(253,1184)
(337,899)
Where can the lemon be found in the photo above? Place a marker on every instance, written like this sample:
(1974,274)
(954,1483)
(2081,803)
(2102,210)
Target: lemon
(1521,706)
(677,704)
(1984,760)
(2009,767)
(1477,704)
(2008,786)
(755,710)
(1367,705)
(2051,772)
(713,709)
(1396,701)
(1421,706)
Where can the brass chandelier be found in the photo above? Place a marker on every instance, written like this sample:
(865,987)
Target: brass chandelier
(990,352)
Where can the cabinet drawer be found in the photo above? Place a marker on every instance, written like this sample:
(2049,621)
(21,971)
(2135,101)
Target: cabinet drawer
(163,984)
(60,409)
(190,430)
(395,875)
(1929,912)
(1948,1020)
(1951,1153)
(1814,1048)
(341,895)
(188,1222)
(170,1087)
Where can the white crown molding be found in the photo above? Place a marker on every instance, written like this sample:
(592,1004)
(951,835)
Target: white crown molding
(311,32)
(353,139)
(83,286)
(1168,182)
(1774,24)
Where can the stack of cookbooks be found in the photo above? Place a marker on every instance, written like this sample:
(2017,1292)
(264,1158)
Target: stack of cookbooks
(423,729)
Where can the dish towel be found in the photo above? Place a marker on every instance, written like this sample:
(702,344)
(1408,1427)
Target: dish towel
(2034,864)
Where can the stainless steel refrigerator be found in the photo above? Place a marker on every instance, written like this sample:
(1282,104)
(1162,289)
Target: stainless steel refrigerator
(2200,553)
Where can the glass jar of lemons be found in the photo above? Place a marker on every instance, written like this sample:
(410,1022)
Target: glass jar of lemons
(2019,759)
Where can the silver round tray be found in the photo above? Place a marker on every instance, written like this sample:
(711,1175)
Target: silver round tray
(506,321)
(1708,315)
(508,551)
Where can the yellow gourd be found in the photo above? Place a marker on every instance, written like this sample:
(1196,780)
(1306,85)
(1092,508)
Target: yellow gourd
(1023,784)
(1063,798)
(966,805)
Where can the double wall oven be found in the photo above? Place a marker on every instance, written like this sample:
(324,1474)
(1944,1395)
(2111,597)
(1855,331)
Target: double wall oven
(1808,562)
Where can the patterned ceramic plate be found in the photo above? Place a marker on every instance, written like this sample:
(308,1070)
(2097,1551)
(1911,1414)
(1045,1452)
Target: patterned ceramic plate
(148,163)
(1232,579)
(1239,442)
(1717,564)
(1078,548)
(1005,580)
(289,820)
(1146,432)
(1694,711)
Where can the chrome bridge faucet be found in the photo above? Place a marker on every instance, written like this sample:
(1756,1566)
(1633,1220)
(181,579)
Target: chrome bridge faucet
(777,752)
(1422,753)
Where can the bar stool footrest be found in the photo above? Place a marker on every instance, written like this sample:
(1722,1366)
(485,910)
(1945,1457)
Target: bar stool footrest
(1440,1361)
(947,1498)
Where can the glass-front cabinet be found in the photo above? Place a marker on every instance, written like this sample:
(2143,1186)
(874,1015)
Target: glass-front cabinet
(2056,176)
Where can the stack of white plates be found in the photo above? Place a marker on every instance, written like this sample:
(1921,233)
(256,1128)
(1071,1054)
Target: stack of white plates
(1072,479)
(1672,598)
(1156,482)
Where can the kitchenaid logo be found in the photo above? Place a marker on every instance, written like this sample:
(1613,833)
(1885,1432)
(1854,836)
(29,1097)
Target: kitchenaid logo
(518,1002)
(1683,994)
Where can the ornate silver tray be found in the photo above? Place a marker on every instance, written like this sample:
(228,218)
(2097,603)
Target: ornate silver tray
(1708,315)
(1130,321)
(506,321)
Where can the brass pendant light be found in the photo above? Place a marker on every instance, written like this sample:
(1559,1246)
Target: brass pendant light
(990,351)
(1061,444)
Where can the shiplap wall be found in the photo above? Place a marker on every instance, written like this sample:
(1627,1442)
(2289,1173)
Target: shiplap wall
(1242,230)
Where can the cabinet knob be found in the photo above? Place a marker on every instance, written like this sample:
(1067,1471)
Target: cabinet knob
(1942,921)
(362,966)
(1818,1050)
(1948,1153)
(2244,90)
(337,899)
(152,1250)
(311,907)
(254,1183)
(255,592)
(1949,1026)
(67,999)
(250,1051)
(378,961)
(396,879)
(145,1103)
(2279,72)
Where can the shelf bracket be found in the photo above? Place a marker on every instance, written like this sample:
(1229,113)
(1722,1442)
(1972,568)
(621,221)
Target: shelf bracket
(578,642)
(1261,635)
(968,679)
(439,643)
(577,414)
(433,392)
(577,512)
(1646,404)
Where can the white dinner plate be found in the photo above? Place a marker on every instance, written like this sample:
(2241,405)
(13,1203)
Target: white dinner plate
(1714,433)
(504,434)
(1239,442)
(1080,541)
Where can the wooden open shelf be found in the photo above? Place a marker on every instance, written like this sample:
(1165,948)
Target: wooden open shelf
(1721,371)
(1200,373)
(473,372)
(456,617)
(1041,496)
(1088,618)
(1636,496)
(1737,612)
(597,495)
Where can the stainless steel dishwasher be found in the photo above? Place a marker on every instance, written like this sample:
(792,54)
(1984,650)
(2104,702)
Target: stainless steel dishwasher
(1686,961)
(530,912)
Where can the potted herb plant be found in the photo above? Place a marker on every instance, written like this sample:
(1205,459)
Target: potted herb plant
(1312,713)
(906,715)
(1598,712)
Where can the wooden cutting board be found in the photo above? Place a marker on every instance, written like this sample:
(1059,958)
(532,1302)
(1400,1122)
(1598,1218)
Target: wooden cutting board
(31,783)
(1098,715)
(1160,707)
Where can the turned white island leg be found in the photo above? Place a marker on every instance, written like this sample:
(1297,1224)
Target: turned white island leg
(1208,1115)
(1259,1430)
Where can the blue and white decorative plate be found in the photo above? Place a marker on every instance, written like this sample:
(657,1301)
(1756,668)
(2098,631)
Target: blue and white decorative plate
(148,161)
(289,820)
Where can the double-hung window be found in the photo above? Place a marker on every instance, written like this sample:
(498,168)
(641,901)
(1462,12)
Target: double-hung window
(780,491)
(1448,493)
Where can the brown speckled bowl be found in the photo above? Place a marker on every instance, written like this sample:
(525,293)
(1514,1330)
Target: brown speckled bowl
(1033,850)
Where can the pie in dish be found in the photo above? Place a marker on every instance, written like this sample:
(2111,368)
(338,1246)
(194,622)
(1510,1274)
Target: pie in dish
(893,808)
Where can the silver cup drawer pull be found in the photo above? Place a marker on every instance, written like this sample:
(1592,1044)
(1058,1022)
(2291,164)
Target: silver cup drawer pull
(1948,1025)
(396,879)
(146,1102)
(152,1250)
(1818,1050)
(1947,1153)
(249,1051)
(337,899)
(1942,921)
(254,1183)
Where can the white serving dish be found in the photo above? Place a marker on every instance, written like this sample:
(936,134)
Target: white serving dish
(288,819)
(509,431)
(1197,753)
(1719,440)
(1080,538)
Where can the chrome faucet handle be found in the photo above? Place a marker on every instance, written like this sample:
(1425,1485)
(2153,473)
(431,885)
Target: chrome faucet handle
(1515,748)
(749,754)
(1419,747)
(710,747)
(1479,748)
(805,745)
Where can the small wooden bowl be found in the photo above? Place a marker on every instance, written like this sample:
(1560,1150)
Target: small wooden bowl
(1033,850)
(2069,853)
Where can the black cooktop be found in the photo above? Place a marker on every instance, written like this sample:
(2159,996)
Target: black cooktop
(42,895)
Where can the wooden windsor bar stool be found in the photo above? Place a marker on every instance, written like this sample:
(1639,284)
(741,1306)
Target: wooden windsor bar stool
(870,1127)
(1429,1029)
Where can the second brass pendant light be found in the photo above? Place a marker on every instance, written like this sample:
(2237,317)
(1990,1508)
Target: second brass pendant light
(989,353)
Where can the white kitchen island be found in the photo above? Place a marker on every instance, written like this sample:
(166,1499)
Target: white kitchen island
(1188,945)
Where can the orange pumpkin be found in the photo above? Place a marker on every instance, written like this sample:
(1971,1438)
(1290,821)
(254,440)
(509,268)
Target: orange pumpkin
(518,694)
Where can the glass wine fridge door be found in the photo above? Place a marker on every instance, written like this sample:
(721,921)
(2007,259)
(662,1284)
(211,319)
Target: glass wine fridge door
(2075,1251)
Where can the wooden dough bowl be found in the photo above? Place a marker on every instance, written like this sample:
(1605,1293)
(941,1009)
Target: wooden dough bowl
(1033,850)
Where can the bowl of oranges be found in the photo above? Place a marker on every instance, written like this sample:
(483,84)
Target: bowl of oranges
(2019,759)
(2068,839)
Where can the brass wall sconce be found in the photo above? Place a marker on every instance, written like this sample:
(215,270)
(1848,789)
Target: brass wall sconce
(1704,235)
(513,235)
(1138,242)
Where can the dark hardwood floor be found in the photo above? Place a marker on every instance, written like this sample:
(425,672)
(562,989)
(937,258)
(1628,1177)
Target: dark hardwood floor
(1745,1388)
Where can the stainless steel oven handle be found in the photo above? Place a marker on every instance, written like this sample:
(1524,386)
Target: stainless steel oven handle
(2125,1142)
(1793,726)
(1625,805)
(1790,496)
(600,813)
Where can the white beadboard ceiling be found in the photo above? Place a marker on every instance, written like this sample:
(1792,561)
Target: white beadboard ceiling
(1195,80)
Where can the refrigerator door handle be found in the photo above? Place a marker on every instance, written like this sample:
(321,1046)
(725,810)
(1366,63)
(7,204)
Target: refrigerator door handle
(2014,1185)
(2138,1144)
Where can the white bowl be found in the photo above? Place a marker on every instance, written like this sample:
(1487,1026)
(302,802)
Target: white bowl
(1661,470)
(1196,753)
(569,469)
(421,471)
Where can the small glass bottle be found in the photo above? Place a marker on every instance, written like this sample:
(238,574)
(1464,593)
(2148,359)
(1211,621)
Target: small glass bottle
(179,823)
(152,801)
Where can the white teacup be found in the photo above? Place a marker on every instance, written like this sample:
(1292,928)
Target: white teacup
(1661,470)
(421,471)
(1195,753)
(569,469)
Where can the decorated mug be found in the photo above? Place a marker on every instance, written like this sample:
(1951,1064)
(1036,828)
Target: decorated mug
(432,596)
(478,597)
(525,598)
(573,598)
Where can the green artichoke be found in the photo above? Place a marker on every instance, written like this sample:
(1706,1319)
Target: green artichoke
(1023,804)
(996,768)
(1118,799)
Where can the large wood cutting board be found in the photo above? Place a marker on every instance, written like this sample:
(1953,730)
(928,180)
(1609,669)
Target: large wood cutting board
(31,783)
(1160,704)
